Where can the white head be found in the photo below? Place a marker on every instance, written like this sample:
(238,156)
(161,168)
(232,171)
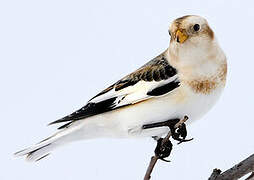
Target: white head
(191,35)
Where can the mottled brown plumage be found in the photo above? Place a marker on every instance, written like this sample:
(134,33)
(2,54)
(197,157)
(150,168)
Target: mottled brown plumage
(155,70)
(158,69)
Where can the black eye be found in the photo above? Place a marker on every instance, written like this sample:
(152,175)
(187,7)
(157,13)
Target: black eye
(196,27)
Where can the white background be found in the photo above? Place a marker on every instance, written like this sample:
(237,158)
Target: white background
(55,55)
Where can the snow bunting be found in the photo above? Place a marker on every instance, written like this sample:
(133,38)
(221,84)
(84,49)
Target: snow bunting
(186,79)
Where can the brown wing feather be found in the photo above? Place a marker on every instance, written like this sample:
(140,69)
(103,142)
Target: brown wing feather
(157,70)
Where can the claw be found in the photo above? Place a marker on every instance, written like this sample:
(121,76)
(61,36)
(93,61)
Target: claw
(185,140)
(165,160)
(179,132)
(182,131)
(163,150)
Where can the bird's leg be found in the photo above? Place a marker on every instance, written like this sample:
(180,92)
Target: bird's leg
(164,145)
(178,134)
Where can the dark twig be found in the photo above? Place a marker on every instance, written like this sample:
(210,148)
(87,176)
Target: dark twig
(236,172)
(215,174)
(149,170)
(155,158)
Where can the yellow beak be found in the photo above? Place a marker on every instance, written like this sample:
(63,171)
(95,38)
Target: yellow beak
(181,36)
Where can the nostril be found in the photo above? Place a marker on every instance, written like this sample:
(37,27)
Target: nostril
(177,39)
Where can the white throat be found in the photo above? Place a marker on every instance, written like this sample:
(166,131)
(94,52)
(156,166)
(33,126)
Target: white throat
(195,59)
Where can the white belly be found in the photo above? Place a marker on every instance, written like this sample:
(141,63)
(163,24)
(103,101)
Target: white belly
(128,121)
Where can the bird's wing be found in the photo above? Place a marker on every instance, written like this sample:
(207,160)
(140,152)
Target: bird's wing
(156,78)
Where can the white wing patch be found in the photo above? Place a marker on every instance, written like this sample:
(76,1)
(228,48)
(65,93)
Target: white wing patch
(155,78)
(132,94)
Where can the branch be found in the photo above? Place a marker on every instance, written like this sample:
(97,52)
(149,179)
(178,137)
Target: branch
(155,158)
(236,172)
(149,170)
(239,170)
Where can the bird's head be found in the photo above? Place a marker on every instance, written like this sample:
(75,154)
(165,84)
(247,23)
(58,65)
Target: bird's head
(190,29)
(190,34)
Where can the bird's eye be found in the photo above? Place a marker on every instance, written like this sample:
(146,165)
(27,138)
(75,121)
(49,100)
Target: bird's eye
(169,33)
(196,27)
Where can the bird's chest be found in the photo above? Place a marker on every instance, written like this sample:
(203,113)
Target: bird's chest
(195,102)
(200,89)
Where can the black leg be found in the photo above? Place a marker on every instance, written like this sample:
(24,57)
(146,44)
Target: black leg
(161,124)
(178,134)
(164,148)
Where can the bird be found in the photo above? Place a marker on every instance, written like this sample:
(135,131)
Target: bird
(187,78)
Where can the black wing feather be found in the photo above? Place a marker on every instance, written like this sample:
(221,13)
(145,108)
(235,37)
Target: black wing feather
(89,110)
(161,90)
(157,70)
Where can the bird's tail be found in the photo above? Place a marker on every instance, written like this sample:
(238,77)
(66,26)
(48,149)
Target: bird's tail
(45,147)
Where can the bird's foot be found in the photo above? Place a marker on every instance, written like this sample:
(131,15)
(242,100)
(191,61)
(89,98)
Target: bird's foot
(163,149)
(180,133)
